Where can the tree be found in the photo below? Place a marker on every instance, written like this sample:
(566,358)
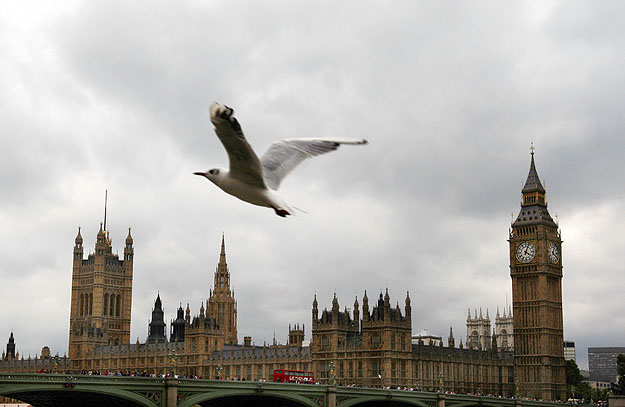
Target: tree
(573,378)
(620,368)
(584,391)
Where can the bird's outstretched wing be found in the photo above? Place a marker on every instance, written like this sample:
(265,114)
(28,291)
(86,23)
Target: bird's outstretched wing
(244,164)
(283,156)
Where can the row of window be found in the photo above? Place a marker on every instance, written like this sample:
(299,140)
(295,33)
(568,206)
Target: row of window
(112,305)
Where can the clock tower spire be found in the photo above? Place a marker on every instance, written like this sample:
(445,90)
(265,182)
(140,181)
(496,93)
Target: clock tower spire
(536,272)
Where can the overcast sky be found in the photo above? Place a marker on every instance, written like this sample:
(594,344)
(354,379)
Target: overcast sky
(114,95)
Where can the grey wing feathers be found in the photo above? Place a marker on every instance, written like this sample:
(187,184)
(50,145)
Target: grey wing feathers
(244,163)
(283,156)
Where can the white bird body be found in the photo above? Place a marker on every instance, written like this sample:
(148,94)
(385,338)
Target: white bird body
(252,180)
(246,192)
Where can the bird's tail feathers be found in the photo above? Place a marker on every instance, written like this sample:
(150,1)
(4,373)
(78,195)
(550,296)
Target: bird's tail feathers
(301,210)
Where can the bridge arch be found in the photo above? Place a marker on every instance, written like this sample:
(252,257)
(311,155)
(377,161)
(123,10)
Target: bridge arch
(486,401)
(248,398)
(51,394)
(382,401)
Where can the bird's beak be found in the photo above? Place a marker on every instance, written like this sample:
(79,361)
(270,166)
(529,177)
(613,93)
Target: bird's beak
(199,173)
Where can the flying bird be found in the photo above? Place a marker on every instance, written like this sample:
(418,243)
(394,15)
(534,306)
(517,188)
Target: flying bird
(253,180)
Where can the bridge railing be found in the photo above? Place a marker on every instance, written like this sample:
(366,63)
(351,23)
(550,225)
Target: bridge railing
(62,378)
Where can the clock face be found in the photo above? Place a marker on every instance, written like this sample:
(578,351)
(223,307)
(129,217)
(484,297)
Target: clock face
(525,252)
(554,253)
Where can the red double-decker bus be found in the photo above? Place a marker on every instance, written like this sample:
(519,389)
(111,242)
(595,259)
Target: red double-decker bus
(293,376)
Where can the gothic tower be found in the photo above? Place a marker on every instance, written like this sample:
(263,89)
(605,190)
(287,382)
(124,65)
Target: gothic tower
(536,272)
(478,331)
(101,296)
(156,328)
(221,305)
(504,327)
(178,326)
(10,348)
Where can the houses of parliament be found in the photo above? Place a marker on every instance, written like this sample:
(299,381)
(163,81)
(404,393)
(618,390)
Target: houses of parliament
(371,343)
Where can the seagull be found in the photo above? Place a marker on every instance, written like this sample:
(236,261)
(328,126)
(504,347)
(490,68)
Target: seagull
(253,180)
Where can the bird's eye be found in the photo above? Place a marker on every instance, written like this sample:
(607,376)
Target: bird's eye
(214,172)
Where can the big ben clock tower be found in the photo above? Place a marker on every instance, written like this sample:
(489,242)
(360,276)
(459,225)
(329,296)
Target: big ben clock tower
(536,271)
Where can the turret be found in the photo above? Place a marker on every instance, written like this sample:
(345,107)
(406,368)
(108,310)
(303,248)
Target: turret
(408,308)
(78,254)
(450,340)
(178,326)
(128,249)
(335,303)
(493,345)
(356,312)
(78,249)
(315,310)
(365,308)
(296,335)
(335,310)
(101,245)
(222,275)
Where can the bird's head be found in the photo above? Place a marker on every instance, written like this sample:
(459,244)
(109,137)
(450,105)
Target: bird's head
(214,175)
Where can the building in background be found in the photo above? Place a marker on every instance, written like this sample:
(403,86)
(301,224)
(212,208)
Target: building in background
(602,363)
(478,330)
(569,351)
(427,338)
(504,328)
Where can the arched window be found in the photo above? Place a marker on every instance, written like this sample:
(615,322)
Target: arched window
(106,304)
(91,304)
(112,306)
(82,305)
(474,339)
(117,306)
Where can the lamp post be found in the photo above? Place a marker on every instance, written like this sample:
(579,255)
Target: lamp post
(172,362)
(441,380)
(55,360)
(219,370)
(332,373)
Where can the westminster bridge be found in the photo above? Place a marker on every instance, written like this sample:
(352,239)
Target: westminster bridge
(50,390)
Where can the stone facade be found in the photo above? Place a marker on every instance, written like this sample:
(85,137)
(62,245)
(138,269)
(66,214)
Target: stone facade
(372,347)
(101,296)
(504,328)
(478,330)
(376,349)
(536,272)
